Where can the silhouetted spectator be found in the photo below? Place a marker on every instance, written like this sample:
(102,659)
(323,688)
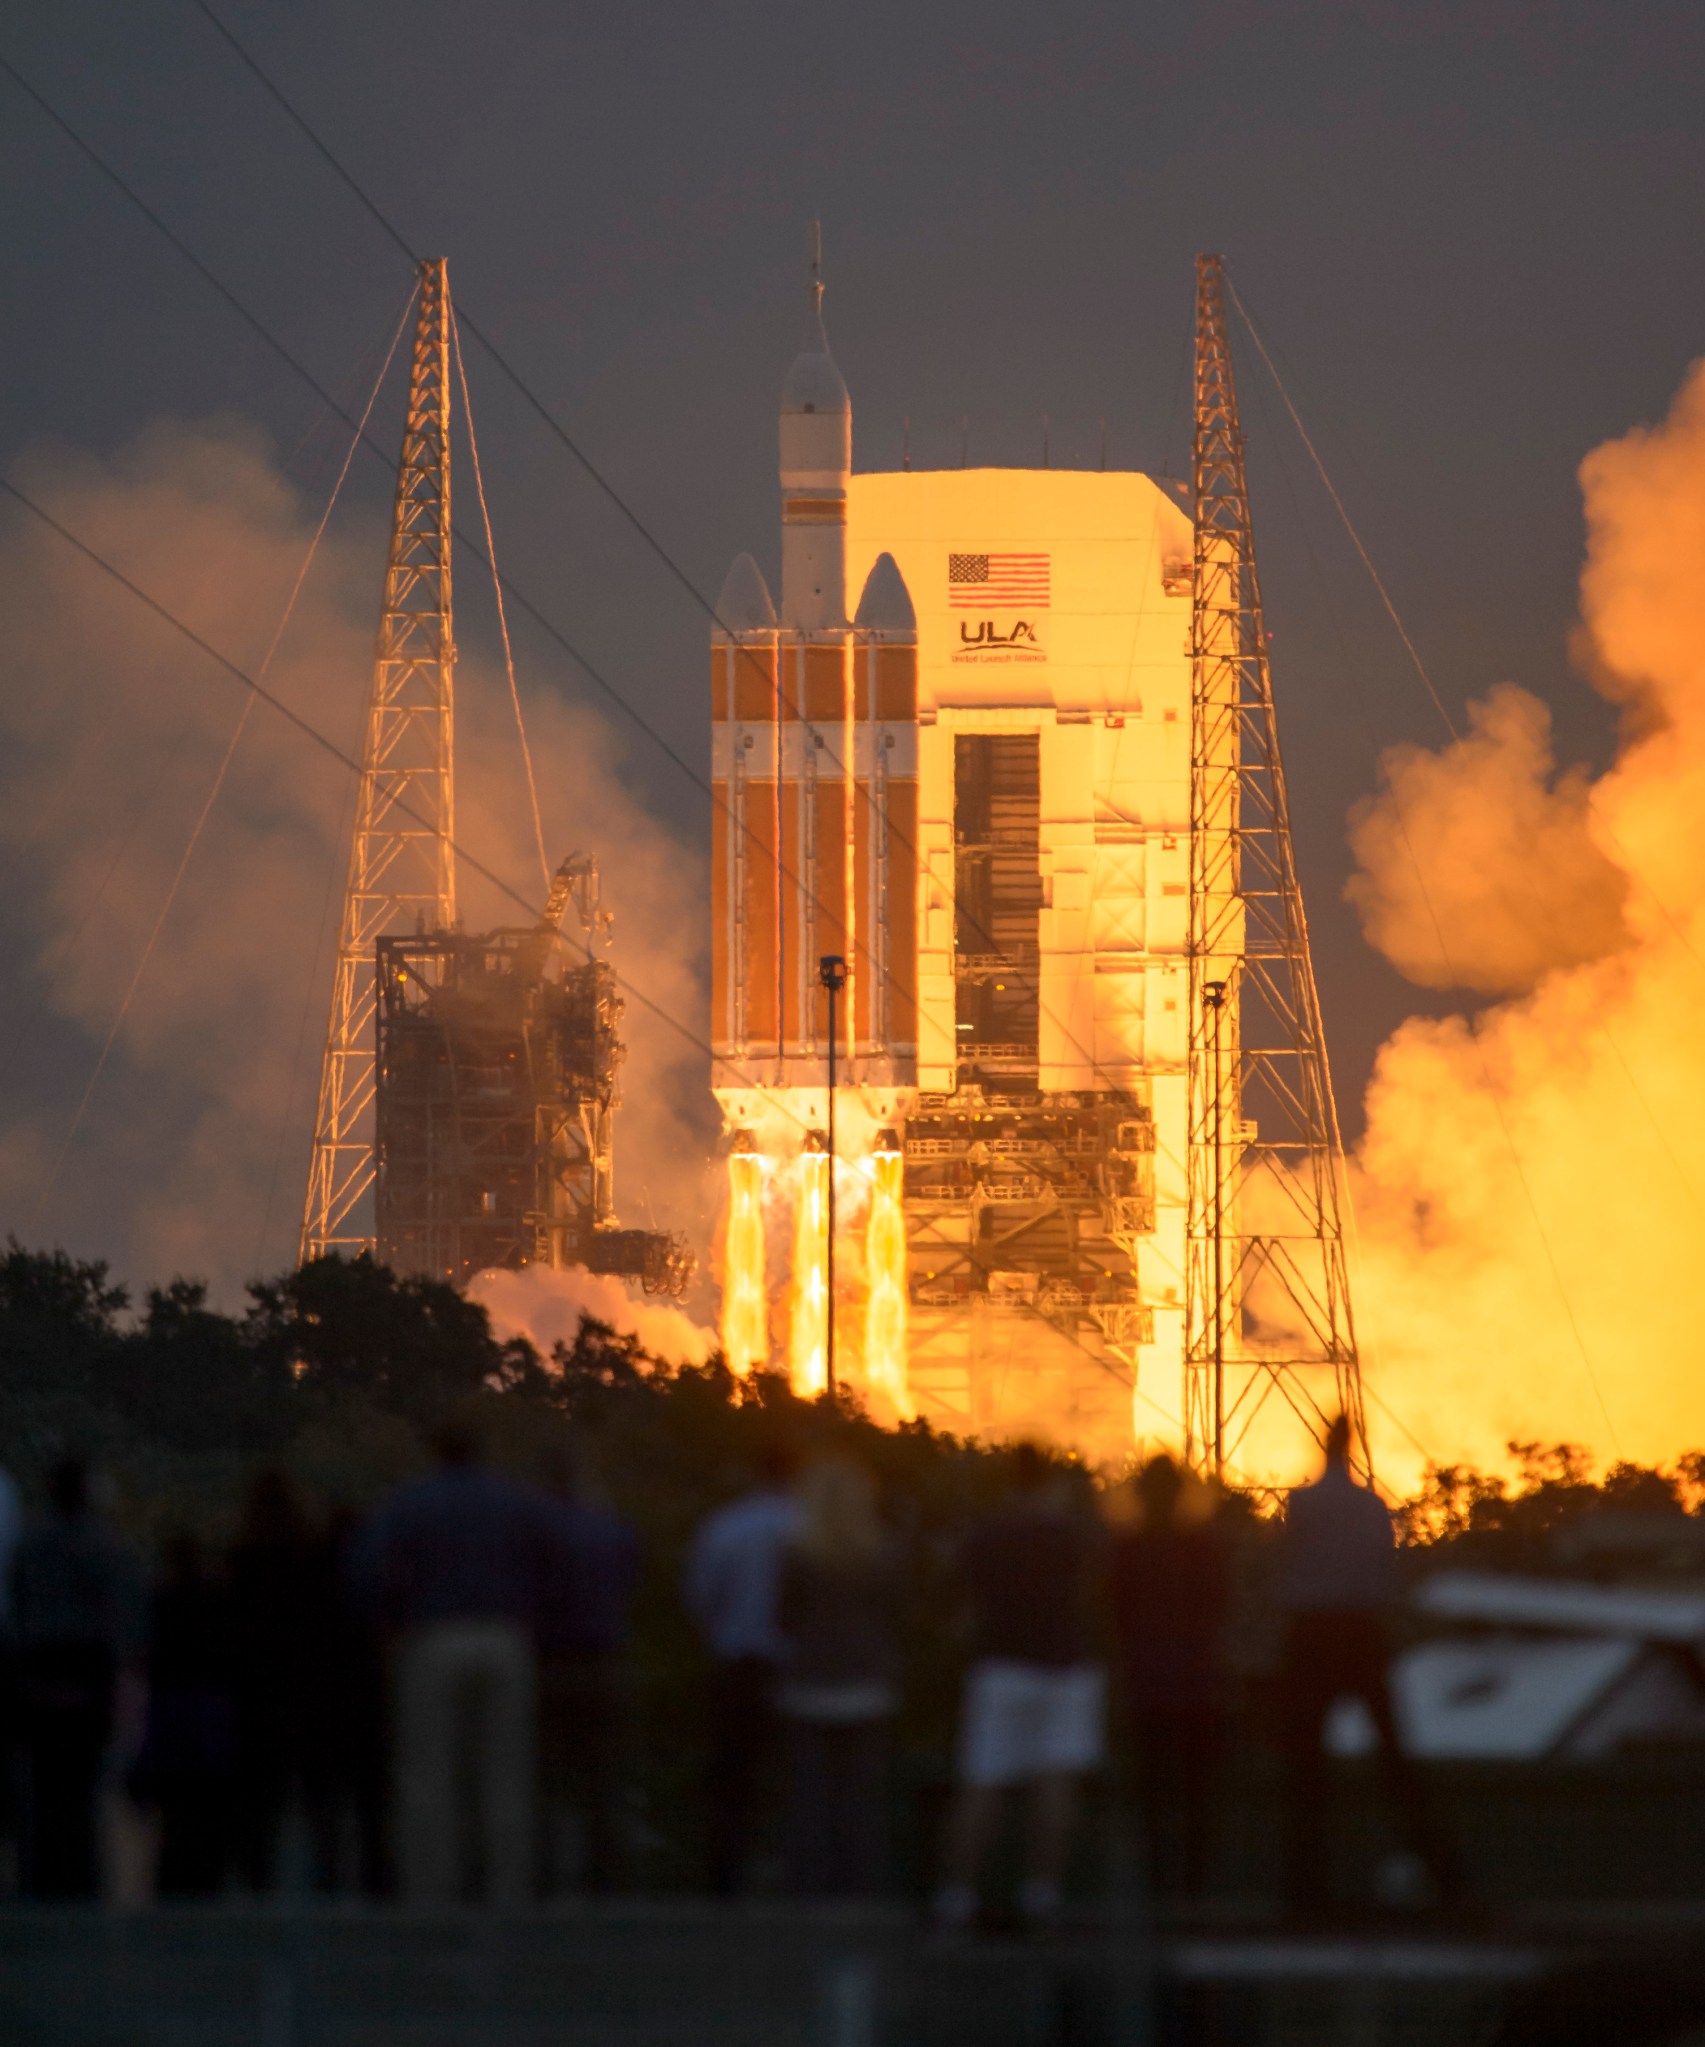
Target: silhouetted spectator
(348,1739)
(584,1621)
(77,1599)
(458,1563)
(284,1625)
(840,1685)
(1170,1594)
(1035,1698)
(186,1768)
(733,1579)
(11,1531)
(1338,1579)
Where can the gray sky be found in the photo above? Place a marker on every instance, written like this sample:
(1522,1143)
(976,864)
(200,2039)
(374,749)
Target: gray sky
(1468,232)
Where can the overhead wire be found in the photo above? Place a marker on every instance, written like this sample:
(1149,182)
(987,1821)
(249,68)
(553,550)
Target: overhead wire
(568,441)
(1349,524)
(329,746)
(335,863)
(607,688)
(463,538)
(1624,859)
(48,1183)
(501,360)
(91,904)
(677,574)
(298,368)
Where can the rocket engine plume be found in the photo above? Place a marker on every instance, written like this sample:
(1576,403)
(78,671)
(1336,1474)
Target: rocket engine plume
(745,1314)
(885,1369)
(808,1336)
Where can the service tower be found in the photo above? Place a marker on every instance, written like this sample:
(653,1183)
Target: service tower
(957,755)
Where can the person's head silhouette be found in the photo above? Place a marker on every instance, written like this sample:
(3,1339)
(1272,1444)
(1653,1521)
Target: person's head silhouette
(1160,1486)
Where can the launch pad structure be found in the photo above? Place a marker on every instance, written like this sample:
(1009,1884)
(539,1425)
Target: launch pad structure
(469,1086)
(1026,782)
(1064,1161)
(495,1100)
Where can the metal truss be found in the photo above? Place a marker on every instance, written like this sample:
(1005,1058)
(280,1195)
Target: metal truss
(1267,1298)
(402,873)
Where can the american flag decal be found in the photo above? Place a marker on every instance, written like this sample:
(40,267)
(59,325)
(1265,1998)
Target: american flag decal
(1006,582)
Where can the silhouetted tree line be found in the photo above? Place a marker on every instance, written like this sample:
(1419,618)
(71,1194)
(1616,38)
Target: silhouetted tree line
(340,1371)
(1552,1511)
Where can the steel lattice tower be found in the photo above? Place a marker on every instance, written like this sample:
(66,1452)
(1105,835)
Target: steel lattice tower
(402,874)
(1267,1299)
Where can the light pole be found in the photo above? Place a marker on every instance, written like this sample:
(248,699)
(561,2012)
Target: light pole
(832,972)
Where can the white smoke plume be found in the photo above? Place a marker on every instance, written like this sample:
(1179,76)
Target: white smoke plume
(1531,1188)
(1477,866)
(546,1307)
(192,1154)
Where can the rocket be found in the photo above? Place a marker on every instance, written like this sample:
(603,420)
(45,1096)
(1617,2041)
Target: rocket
(814,769)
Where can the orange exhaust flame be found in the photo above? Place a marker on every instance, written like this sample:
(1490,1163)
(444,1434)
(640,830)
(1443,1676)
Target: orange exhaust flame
(809,1333)
(885,1370)
(745,1315)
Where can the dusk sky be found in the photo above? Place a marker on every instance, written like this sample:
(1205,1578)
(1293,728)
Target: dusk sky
(1469,234)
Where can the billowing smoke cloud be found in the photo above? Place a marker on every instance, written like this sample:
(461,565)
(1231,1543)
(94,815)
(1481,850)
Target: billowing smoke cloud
(546,1307)
(1477,866)
(192,1153)
(1531,1188)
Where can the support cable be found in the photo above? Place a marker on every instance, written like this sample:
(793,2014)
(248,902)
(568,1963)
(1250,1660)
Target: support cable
(825,735)
(464,538)
(218,784)
(329,746)
(597,476)
(502,615)
(517,596)
(1488,1081)
(1349,526)
(552,631)
(1624,859)
(334,868)
(33,1015)
(1650,1114)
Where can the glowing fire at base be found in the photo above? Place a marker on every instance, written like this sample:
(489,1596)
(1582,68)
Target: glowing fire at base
(885,1372)
(745,1311)
(808,1335)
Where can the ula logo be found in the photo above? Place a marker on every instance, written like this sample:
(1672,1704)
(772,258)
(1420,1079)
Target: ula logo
(988,634)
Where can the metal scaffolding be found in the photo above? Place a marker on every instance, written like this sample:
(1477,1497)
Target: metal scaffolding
(1267,1300)
(496,1098)
(402,874)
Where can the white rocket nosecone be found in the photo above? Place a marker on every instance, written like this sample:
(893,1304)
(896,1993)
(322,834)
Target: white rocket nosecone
(744,605)
(886,603)
(816,461)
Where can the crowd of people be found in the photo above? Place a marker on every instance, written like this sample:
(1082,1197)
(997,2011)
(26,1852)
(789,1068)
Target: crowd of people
(428,1702)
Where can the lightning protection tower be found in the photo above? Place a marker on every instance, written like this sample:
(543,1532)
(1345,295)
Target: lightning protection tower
(402,875)
(1268,1326)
